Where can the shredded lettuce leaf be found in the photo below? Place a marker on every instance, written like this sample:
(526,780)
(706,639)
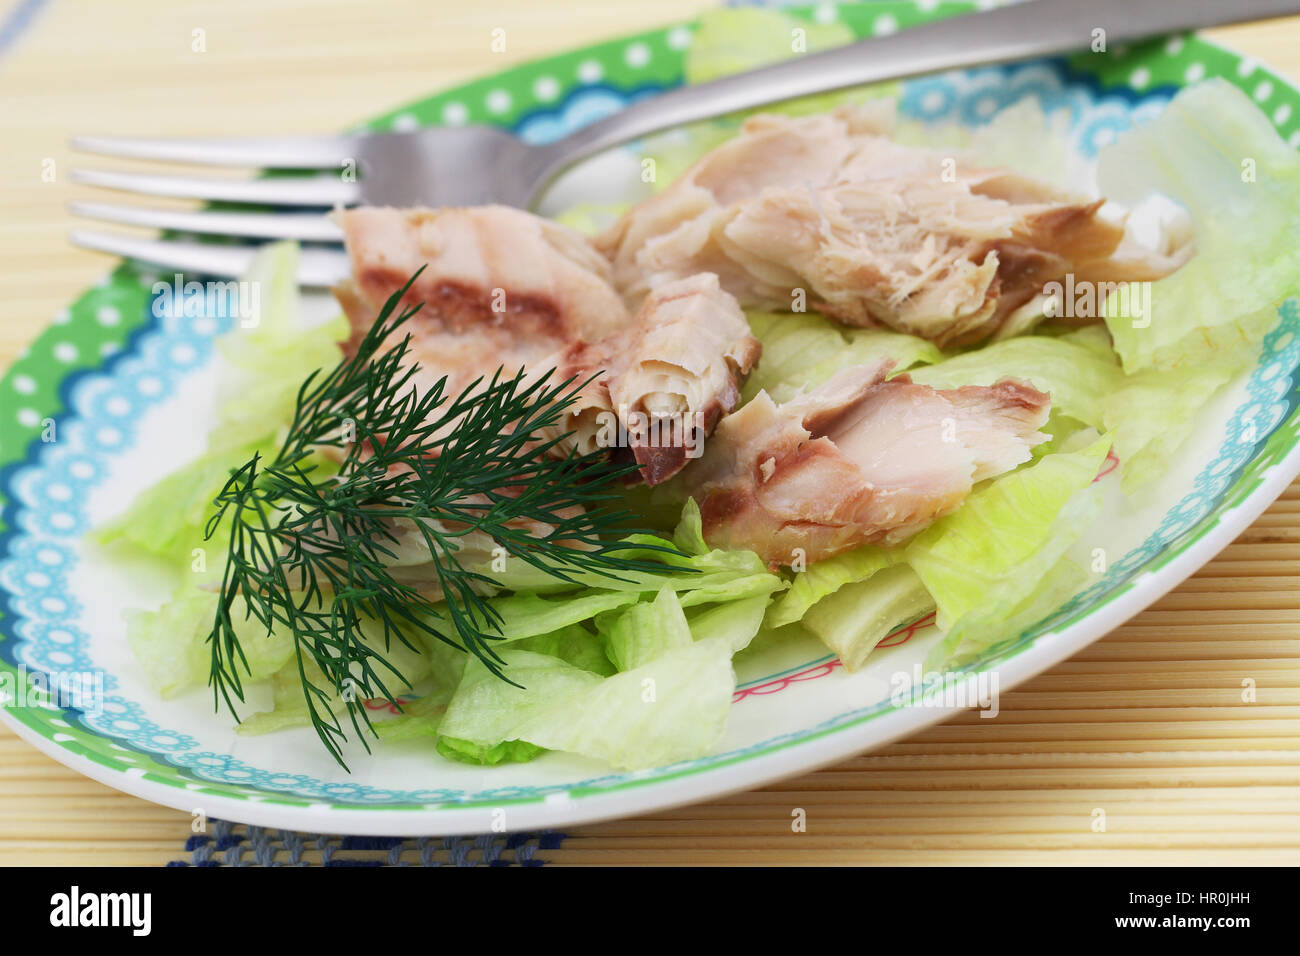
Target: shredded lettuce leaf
(1152,412)
(486,711)
(508,751)
(1078,379)
(704,576)
(981,630)
(267,363)
(1213,151)
(983,560)
(529,615)
(649,624)
(167,519)
(645,630)
(823,578)
(669,636)
(263,367)
(289,705)
(169,643)
(574,645)
(801,350)
(858,616)
(671,707)
(734,622)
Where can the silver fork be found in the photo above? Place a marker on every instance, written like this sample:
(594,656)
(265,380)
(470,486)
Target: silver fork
(480,164)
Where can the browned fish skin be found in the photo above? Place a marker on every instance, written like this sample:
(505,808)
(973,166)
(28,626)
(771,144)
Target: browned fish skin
(860,460)
(873,232)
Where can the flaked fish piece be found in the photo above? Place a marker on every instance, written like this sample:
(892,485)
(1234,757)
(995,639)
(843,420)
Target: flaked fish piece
(659,387)
(501,287)
(859,460)
(684,362)
(869,231)
(584,427)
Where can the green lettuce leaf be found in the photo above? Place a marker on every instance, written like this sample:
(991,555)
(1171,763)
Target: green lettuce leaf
(529,615)
(289,704)
(1213,151)
(703,576)
(1078,379)
(645,630)
(167,519)
(734,622)
(987,557)
(1152,413)
(266,363)
(418,720)
(982,629)
(169,643)
(574,645)
(858,616)
(671,708)
(823,578)
(508,751)
(263,366)
(669,701)
(802,350)
(486,711)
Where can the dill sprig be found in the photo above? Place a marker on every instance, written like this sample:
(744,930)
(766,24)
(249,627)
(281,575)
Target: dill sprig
(309,547)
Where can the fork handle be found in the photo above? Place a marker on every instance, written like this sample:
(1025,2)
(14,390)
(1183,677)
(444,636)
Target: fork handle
(1017,32)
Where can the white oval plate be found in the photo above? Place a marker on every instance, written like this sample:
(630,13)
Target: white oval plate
(129,396)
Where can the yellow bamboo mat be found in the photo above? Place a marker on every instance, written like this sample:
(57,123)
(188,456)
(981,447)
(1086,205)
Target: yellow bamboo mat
(1147,725)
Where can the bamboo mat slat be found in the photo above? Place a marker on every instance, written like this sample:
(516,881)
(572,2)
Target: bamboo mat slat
(1146,725)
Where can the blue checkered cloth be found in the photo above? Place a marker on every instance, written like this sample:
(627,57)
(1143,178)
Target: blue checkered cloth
(235,844)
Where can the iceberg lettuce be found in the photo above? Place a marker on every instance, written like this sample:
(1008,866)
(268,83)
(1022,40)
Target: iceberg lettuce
(645,630)
(1152,412)
(981,629)
(672,707)
(508,751)
(487,711)
(263,367)
(1216,154)
(823,578)
(408,666)
(574,645)
(982,561)
(801,350)
(1078,379)
(734,622)
(858,616)
(169,643)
